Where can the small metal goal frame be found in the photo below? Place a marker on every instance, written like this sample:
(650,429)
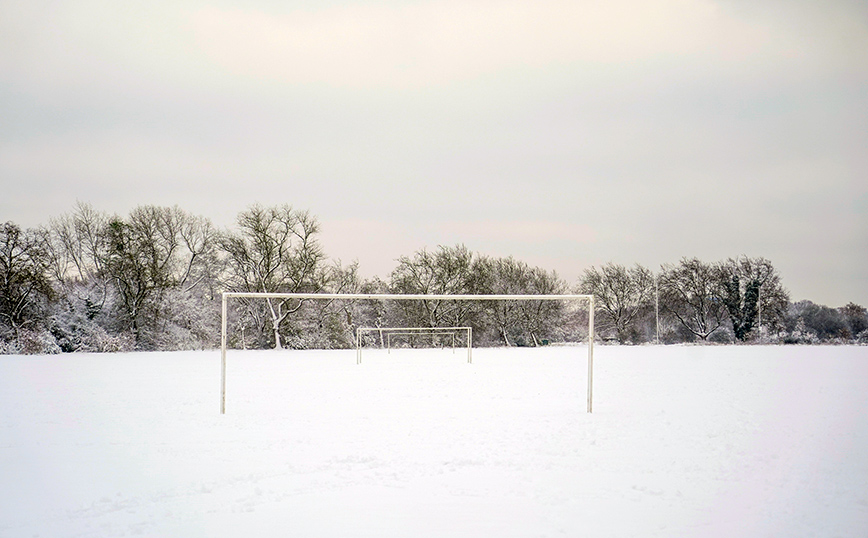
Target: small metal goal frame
(408,297)
(413,331)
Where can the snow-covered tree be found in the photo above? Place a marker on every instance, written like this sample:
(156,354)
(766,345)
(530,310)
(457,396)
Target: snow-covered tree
(621,295)
(856,317)
(275,249)
(332,323)
(752,292)
(83,319)
(518,322)
(155,250)
(808,322)
(25,287)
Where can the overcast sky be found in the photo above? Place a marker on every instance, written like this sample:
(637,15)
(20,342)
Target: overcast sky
(564,133)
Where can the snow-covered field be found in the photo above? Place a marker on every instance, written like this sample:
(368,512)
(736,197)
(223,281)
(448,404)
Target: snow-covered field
(684,441)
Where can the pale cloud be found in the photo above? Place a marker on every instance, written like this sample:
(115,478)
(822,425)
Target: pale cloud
(387,45)
(563,133)
(99,157)
(433,43)
(61,51)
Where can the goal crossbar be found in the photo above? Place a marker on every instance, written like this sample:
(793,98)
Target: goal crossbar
(413,331)
(405,297)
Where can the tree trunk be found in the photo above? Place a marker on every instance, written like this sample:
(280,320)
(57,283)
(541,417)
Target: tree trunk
(276,325)
(505,336)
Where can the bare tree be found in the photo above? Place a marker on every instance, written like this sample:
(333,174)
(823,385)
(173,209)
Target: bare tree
(504,276)
(274,250)
(541,317)
(155,250)
(78,244)
(332,323)
(79,249)
(85,316)
(689,292)
(856,317)
(519,322)
(449,270)
(621,294)
(24,283)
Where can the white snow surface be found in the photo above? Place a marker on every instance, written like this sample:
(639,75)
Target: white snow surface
(684,441)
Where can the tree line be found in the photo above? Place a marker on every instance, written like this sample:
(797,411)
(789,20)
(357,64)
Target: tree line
(152,280)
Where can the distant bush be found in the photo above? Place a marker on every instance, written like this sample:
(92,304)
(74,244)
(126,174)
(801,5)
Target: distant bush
(31,342)
(810,323)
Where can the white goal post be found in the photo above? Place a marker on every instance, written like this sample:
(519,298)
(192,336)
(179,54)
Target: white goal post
(408,297)
(414,331)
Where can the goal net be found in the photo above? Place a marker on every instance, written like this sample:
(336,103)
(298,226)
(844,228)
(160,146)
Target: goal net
(442,335)
(500,311)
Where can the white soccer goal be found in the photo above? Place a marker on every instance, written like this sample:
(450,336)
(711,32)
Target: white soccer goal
(386,334)
(409,297)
